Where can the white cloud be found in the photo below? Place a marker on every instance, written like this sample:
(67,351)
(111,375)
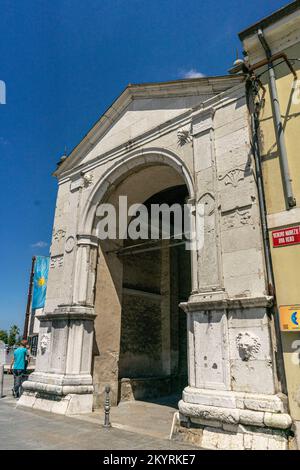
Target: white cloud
(39,244)
(192,73)
(3,141)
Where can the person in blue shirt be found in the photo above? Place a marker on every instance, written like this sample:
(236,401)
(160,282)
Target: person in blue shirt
(18,366)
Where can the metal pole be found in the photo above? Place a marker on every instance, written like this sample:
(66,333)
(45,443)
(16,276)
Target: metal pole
(267,251)
(29,296)
(286,179)
(107,408)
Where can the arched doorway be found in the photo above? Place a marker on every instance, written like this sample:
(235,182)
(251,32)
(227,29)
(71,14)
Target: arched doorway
(140,341)
(153,340)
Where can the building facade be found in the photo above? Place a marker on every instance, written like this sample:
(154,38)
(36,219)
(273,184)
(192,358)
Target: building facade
(277,37)
(167,319)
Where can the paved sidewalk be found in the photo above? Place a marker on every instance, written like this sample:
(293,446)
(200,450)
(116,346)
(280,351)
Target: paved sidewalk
(21,428)
(153,418)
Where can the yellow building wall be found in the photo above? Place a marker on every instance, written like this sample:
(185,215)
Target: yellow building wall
(286,260)
(290,114)
(286,264)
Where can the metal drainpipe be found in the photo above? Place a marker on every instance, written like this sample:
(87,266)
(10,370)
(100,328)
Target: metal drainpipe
(286,179)
(269,267)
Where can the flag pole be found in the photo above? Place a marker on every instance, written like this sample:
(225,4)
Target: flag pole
(29,297)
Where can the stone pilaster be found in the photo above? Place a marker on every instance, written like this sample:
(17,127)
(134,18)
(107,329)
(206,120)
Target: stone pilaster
(232,400)
(85,270)
(62,381)
(207,223)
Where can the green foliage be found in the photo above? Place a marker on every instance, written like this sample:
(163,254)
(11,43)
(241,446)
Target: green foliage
(13,335)
(4,336)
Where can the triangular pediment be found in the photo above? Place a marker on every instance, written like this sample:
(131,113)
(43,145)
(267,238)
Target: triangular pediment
(140,109)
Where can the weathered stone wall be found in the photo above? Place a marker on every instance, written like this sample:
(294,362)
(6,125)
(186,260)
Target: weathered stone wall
(141,348)
(153,328)
(108,298)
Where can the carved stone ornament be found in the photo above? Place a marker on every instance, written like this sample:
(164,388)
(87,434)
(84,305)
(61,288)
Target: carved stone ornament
(56,261)
(45,340)
(207,200)
(70,243)
(59,235)
(233,177)
(184,137)
(88,179)
(58,242)
(248,345)
(237,218)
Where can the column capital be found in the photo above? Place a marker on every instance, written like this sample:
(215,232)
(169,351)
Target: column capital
(74,312)
(87,239)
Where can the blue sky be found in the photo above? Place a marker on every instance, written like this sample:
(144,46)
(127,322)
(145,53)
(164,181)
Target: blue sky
(63,63)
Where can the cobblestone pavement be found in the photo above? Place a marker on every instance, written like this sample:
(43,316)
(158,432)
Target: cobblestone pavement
(21,428)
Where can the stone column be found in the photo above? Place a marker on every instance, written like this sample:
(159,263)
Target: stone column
(62,381)
(165,308)
(232,400)
(85,270)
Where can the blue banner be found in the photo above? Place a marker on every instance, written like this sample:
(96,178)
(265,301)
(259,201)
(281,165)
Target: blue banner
(41,269)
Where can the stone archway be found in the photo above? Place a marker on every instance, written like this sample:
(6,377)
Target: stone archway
(114,296)
(84,280)
(228,300)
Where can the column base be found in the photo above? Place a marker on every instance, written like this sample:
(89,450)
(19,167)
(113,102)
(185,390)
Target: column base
(239,437)
(71,404)
(58,393)
(232,420)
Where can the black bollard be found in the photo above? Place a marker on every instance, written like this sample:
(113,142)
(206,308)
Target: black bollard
(107,408)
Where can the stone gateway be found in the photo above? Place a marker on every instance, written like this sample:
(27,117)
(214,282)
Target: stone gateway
(155,319)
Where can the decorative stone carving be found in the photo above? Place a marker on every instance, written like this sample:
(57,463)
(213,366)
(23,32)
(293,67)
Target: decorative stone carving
(248,345)
(58,242)
(237,218)
(56,261)
(70,243)
(184,137)
(59,235)
(208,200)
(88,179)
(233,177)
(45,340)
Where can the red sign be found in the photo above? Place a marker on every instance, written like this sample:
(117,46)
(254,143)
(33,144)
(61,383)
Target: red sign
(286,236)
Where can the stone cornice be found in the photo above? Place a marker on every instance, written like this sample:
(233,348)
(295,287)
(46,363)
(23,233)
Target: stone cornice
(69,312)
(280,35)
(198,303)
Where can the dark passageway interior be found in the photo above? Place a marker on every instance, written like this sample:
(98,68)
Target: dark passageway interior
(153,344)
